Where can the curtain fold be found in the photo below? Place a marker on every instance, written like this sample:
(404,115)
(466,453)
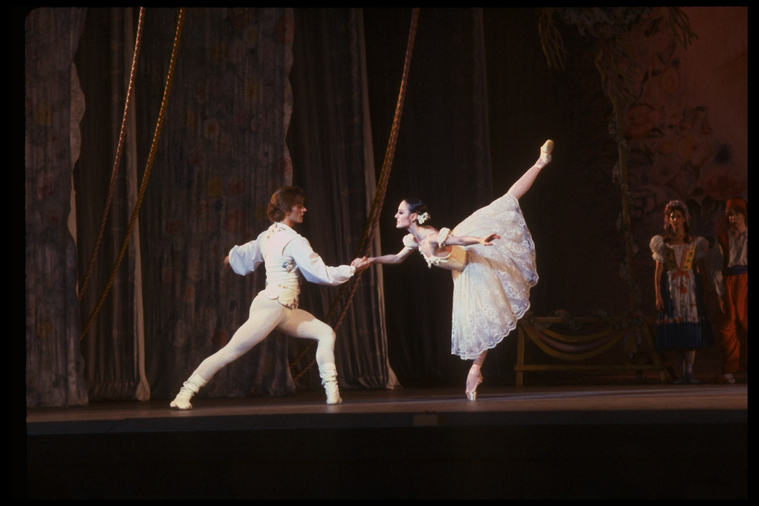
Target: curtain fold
(114,344)
(54,363)
(330,140)
(221,155)
(442,157)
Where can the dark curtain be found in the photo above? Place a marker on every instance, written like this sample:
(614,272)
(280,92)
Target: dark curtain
(442,157)
(221,155)
(53,107)
(331,146)
(114,343)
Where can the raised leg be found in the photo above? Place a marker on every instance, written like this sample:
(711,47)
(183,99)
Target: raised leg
(525,182)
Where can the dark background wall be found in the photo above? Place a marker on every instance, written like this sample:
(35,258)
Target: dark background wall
(692,147)
(571,208)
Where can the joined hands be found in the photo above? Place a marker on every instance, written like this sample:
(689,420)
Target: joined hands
(361,264)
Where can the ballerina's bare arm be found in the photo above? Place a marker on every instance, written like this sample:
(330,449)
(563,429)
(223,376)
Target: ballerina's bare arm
(391,259)
(452,240)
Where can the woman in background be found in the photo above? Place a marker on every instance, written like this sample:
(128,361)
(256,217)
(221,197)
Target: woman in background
(680,281)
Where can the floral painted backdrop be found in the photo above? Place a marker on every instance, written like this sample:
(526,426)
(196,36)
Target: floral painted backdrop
(676,79)
(678,146)
(221,155)
(54,363)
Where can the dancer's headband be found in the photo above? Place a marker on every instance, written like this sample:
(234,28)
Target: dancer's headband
(675,203)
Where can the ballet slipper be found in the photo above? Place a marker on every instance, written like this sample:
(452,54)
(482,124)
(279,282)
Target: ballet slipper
(545,151)
(328,373)
(189,388)
(471,390)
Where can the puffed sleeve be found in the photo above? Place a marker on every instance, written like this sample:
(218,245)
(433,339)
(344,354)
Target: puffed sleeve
(442,236)
(410,242)
(244,259)
(657,248)
(702,245)
(313,267)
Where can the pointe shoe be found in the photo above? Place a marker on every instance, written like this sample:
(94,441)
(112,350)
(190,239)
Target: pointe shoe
(472,396)
(545,151)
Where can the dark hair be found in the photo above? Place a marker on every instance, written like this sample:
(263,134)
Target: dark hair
(738,209)
(415,206)
(686,226)
(282,202)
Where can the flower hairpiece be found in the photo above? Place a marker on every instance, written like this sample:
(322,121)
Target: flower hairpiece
(668,209)
(423,217)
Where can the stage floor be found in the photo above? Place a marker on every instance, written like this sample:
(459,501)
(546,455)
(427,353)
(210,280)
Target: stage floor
(580,442)
(409,408)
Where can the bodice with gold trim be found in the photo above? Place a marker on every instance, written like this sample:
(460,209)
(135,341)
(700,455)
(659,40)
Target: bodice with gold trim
(686,259)
(453,261)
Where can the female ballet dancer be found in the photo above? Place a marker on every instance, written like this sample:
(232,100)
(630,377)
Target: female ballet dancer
(287,256)
(680,282)
(492,258)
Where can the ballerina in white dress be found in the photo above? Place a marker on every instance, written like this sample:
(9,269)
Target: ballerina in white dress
(491,256)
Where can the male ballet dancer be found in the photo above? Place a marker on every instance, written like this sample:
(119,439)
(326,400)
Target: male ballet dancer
(287,256)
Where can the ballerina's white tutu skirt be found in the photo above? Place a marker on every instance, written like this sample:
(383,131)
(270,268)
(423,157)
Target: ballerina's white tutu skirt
(493,291)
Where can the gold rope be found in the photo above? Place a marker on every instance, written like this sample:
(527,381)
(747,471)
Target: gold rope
(146,175)
(122,135)
(379,194)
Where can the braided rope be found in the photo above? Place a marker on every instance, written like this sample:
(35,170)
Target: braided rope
(146,175)
(379,194)
(117,161)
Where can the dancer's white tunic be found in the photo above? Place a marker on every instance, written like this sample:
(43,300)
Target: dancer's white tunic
(491,284)
(287,256)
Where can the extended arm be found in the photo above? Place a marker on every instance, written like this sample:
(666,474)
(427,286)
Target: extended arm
(391,259)
(657,285)
(313,267)
(452,240)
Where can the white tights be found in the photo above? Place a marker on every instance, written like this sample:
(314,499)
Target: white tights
(267,315)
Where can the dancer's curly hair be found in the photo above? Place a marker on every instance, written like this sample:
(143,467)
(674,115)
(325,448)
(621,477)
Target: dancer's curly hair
(282,202)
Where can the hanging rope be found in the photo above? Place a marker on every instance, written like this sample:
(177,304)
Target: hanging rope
(146,175)
(116,163)
(379,196)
